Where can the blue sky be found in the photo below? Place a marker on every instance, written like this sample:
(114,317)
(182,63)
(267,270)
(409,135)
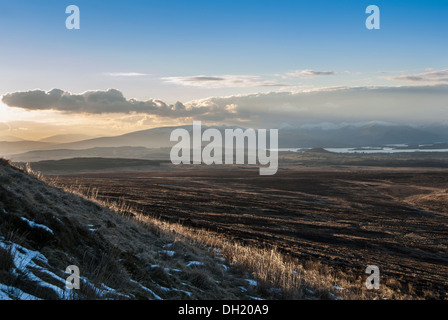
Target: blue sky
(158,49)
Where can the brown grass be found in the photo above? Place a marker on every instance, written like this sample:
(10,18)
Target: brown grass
(279,276)
(127,246)
(275,270)
(119,251)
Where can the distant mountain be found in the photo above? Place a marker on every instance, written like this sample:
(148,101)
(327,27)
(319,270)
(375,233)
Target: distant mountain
(147,144)
(8,148)
(150,138)
(437,129)
(10,139)
(66,138)
(373,134)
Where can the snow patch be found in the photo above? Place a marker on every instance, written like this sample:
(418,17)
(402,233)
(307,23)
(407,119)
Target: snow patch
(252,282)
(24,262)
(194,263)
(333,296)
(168,252)
(173,289)
(92,227)
(33,225)
(147,290)
(12,293)
(58,220)
(309,291)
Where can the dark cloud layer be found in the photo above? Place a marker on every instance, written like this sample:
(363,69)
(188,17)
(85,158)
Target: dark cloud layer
(98,102)
(404,104)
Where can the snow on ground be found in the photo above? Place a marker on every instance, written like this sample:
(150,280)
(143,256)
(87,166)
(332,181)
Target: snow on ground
(33,225)
(309,291)
(169,269)
(168,252)
(106,290)
(147,290)
(333,296)
(252,282)
(27,262)
(221,259)
(194,263)
(173,289)
(24,262)
(10,293)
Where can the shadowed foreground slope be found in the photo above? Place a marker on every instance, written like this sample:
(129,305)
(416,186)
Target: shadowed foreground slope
(43,230)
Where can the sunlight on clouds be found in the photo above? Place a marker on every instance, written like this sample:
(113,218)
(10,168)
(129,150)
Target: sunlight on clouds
(10,114)
(35,125)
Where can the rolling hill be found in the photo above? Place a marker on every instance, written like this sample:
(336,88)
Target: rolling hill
(155,143)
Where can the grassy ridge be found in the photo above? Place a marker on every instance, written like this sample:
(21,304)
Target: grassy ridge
(44,229)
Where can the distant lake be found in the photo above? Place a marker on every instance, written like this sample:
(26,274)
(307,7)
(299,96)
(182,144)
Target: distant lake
(365,150)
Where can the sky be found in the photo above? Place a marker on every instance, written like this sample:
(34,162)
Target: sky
(134,65)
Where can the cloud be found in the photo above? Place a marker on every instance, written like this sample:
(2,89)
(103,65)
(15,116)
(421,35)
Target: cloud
(400,104)
(307,73)
(100,102)
(243,81)
(225,81)
(405,104)
(126,74)
(431,76)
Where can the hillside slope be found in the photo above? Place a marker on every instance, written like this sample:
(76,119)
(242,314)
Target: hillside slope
(43,230)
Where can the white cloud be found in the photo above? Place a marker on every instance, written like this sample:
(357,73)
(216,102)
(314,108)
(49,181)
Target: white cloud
(308,73)
(431,76)
(224,81)
(126,74)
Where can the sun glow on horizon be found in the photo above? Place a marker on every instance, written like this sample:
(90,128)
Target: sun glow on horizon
(34,125)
